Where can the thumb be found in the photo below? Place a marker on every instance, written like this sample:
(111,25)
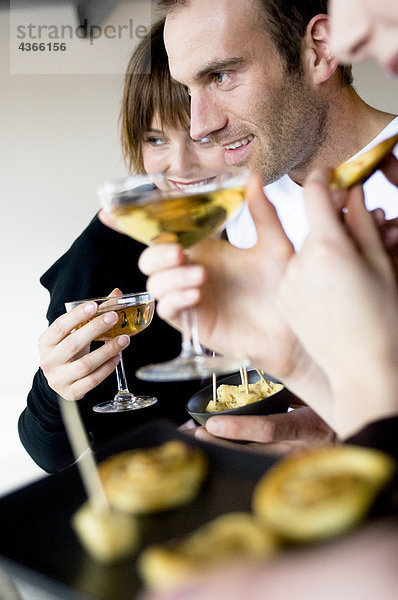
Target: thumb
(323,217)
(270,232)
(301,423)
(116,292)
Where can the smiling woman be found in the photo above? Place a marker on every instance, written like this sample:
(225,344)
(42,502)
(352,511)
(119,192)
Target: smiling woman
(155,117)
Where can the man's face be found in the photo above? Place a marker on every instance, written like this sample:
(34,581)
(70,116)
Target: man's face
(241,95)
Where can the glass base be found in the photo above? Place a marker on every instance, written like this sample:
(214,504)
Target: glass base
(125,403)
(192,367)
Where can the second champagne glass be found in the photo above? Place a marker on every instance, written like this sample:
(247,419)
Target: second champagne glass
(135,312)
(154,209)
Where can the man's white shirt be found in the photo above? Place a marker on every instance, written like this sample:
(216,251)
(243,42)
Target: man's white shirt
(287,197)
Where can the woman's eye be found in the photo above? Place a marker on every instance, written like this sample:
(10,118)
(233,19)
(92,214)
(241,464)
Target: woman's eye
(155,141)
(203,141)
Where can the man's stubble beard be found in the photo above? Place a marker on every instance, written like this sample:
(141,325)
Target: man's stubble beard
(293,129)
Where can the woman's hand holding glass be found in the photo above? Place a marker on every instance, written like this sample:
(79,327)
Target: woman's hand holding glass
(134,314)
(65,358)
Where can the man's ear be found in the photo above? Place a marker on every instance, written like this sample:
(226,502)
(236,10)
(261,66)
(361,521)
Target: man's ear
(318,58)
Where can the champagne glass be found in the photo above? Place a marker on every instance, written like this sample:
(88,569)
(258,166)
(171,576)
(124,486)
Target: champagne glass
(154,208)
(135,312)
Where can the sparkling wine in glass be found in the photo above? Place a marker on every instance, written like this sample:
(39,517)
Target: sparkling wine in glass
(155,209)
(135,312)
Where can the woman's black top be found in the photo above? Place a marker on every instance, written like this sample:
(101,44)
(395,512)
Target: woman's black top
(97,262)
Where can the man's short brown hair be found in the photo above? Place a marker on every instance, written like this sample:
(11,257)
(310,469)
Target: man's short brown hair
(286,22)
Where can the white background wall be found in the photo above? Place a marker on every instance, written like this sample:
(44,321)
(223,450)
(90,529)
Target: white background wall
(58,140)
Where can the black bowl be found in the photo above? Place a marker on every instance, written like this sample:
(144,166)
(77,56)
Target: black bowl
(277,403)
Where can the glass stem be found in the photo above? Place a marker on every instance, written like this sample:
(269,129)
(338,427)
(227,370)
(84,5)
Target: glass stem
(121,376)
(190,334)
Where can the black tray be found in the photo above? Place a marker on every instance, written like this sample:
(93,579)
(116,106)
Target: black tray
(38,544)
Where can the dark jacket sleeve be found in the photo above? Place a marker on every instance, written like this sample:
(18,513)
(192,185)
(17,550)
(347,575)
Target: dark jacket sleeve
(97,262)
(382,435)
(41,429)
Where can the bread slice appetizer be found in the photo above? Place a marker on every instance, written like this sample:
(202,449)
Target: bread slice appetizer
(107,535)
(321,492)
(154,479)
(236,535)
(361,168)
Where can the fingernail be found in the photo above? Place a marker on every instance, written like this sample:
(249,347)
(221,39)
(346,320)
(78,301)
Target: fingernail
(170,252)
(214,426)
(90,307)
(123,340)
(193,274)
(110,317)
(339,198)
(190,296)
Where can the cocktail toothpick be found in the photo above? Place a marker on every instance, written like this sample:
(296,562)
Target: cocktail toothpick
(244,378)
(261,373)
(83,454)
(214,378)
